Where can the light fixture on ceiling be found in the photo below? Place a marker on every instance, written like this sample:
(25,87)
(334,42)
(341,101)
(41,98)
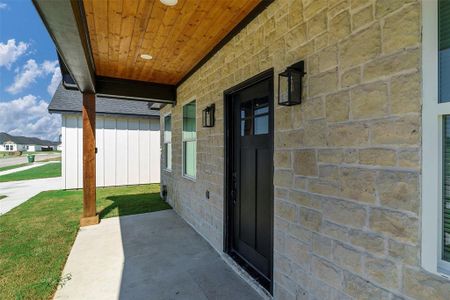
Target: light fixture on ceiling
(146,56)
(169,2)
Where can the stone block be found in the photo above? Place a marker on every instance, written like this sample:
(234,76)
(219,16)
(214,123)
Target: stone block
(305,163)
(420,285)
(371,242)
(402,131)
(378,157)
(286,211)
(399,190)
(344,212)
(351,77)
(369,101)
(327,272)
(360,48)
(348,134)
(347,257)
(323,83)
(362,289)
(392,64)
(283,178)
(402,29)
(310,219)
(405,253)
(317,24)
(322,246)
(406,93)
(337,106)
(340,27)
(362,17)
(395,224)
(382,271)
(358,184)
(315,133)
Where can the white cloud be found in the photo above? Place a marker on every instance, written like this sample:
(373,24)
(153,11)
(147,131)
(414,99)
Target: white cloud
(10,52)
(56,79)
(28,116)
(30,72)
(3,5)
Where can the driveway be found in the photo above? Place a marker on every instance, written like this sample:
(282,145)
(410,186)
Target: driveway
(5,162)
(18,192)
(149,256)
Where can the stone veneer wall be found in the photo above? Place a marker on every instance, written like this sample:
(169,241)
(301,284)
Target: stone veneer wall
(347,160)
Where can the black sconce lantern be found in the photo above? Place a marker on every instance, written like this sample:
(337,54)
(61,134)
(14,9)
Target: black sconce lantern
(290,85)
(208,116)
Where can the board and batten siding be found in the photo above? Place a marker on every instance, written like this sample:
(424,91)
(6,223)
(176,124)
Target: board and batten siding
(128,151)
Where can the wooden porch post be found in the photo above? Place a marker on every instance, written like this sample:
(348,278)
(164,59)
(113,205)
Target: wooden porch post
(90,216)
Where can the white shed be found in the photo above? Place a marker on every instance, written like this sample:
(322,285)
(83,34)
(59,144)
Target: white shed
(127,140)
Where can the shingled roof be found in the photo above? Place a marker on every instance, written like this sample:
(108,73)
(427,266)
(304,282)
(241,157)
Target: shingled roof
(65,101)
(24,140)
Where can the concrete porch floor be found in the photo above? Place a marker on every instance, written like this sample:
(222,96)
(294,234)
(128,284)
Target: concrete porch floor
(148,256)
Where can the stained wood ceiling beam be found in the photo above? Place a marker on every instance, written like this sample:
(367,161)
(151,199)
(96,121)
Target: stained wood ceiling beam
(66,24)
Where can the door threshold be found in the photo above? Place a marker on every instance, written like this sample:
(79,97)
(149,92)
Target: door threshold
(243,273)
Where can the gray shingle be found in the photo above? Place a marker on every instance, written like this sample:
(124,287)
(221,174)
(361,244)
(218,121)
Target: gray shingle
(65,100)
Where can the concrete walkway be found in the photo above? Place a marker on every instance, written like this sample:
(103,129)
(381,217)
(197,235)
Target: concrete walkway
(17,192)
(148,256)
(34,165)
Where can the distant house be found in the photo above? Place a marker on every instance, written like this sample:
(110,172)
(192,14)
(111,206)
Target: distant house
(10,143)
(127,140)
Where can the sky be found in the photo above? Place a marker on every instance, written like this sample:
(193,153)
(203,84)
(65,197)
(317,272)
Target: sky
(29,72)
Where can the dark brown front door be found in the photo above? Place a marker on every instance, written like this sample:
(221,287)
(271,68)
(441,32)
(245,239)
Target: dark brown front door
(251,172)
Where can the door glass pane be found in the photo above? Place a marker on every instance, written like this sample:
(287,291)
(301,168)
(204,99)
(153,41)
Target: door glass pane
(446,191)
(444,51)
(262,124)
(190,158)
(261,106)
(189,126)
(246,109)
(246,126)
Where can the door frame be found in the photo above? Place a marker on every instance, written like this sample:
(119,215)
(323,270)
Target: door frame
(228,153)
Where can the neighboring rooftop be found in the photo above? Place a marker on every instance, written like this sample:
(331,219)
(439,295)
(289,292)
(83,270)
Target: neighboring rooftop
(25,140)
(65,100)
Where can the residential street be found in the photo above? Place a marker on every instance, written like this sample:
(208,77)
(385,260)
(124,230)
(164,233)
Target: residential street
(18,192)
(5,162)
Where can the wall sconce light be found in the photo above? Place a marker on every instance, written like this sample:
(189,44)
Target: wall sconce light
(208,116)
(290,84)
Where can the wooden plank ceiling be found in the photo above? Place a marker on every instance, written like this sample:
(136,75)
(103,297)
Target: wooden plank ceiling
(177,37)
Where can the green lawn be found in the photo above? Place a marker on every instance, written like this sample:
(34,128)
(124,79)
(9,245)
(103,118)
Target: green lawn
(13,167)
(2,197)
(45,171)
(36,237)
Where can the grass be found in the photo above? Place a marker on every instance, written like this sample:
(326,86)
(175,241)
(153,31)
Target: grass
(36,237)
(45,171)
(13,167)
(2,197)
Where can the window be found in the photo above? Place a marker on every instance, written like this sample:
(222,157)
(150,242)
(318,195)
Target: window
(189,140)
(436,137)
(168,142)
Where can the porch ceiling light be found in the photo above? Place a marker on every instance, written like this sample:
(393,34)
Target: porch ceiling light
(290,85)
(146,56)
(169,2)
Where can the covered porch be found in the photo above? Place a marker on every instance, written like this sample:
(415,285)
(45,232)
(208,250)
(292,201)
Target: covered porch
(148,256)
(137,50)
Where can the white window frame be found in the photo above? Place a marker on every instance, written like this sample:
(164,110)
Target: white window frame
(183,140)
(432,134)
(168,142)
